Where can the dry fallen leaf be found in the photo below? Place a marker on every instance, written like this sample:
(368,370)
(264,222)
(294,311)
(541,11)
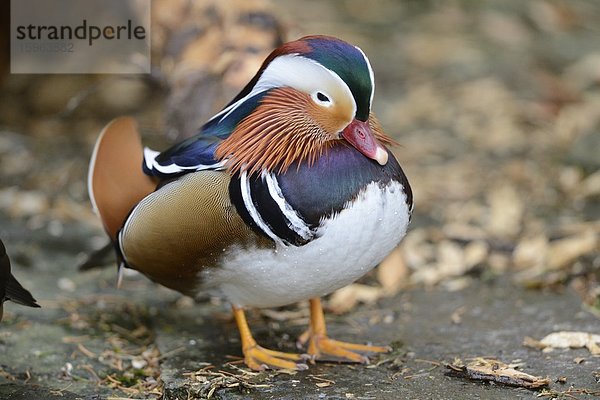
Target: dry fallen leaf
(463,231)
(506,211)
(346,298)
(591,185)
(23,203)
(572,340)
(456,316)
(565,251)
(416,249)
(585,71)
(452,261)
(392,272)
(475,253)
(531,252)
(533,343)
(483,369)
(321,382)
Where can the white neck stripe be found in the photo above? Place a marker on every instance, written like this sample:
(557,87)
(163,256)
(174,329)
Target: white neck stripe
(296,223)
(249,204)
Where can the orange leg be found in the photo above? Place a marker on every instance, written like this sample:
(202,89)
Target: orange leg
(259,358)
(319,344)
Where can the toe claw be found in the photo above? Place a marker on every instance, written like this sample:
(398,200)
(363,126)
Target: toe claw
(302,366)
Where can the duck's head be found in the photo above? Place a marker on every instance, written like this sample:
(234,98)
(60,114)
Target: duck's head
(308,95)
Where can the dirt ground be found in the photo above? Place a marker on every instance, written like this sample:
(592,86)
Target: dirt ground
(496,105)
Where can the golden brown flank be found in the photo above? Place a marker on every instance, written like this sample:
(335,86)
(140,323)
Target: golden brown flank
(186,225)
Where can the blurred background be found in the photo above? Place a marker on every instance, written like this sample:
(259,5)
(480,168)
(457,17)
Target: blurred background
(496,105)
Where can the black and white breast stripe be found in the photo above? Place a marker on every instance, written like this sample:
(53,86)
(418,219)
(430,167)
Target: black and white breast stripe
(261,204)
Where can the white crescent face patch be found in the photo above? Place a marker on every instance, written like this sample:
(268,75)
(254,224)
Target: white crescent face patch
(292,70)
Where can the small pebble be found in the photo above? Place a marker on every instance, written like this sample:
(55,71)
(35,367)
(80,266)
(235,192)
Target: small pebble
(138,363)
(66,284)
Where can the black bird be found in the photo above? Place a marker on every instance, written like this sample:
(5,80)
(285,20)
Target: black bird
(10,288)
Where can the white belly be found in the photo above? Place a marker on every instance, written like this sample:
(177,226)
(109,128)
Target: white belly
(348,246)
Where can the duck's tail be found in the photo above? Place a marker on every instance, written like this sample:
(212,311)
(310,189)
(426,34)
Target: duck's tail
(116,181)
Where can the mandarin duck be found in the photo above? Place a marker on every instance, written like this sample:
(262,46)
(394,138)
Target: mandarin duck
(287,194)
(10,288)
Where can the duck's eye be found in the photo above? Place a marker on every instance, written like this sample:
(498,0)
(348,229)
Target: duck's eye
(321,99)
